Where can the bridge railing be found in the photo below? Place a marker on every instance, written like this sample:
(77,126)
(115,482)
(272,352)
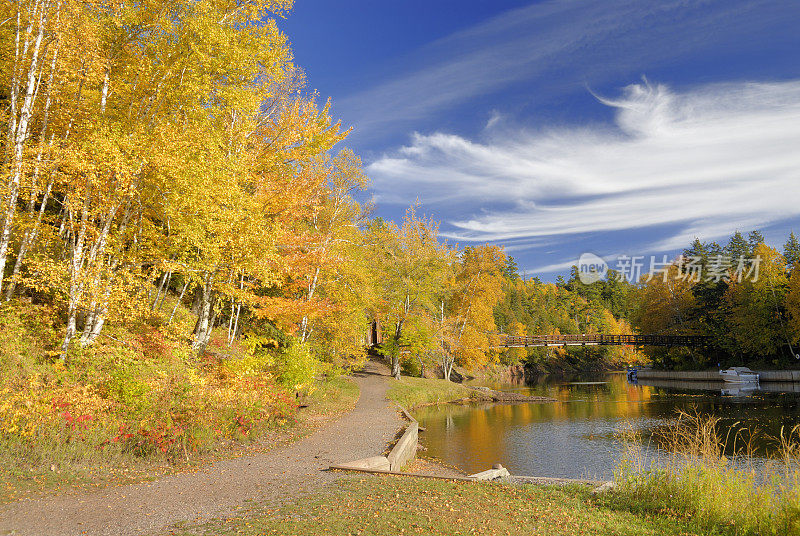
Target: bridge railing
(603,339)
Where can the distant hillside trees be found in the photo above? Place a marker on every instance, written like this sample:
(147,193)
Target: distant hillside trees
(742,295)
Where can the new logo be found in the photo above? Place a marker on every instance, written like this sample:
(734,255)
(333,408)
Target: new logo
(591,268)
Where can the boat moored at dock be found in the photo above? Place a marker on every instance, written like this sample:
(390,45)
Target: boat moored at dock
(739,375)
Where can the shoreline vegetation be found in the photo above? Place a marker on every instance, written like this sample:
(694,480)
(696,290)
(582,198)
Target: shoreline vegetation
(411,392)
(701,490)
(719,493)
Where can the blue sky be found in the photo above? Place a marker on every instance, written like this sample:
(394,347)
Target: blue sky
(557,128)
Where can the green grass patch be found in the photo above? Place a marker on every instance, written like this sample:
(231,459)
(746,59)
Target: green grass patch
(412,392)
(402,505)
(333,397)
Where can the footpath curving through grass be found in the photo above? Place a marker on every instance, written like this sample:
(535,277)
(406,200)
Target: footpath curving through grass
(380,505)
(412,392)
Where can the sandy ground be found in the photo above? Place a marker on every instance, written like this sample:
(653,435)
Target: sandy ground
(224,487)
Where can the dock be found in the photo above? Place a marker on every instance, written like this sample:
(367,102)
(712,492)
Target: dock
(783,376)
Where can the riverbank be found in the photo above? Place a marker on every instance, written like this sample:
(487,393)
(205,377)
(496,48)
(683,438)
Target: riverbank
(412,392)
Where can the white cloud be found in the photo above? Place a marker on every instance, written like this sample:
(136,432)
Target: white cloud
(552,46)
(551,268)
(494,119)
(705,161)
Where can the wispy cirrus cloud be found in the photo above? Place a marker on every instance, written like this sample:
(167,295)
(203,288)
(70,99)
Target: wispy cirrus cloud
(701,162)
(551,46)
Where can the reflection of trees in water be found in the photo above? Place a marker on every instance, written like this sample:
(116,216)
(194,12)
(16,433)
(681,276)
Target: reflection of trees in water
(478,435)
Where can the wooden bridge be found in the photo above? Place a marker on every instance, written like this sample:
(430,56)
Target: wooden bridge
(598,339)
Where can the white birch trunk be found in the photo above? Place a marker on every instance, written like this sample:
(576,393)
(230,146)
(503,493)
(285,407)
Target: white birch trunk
(238,307)
(236,322)
(93,328)
(398,332)
(230,324)
(97,252)
(177,303)
(27,241)
(99,311)
(202,332)
(76,264)
(31,234)
(311,289)
(158,293)
(19,137)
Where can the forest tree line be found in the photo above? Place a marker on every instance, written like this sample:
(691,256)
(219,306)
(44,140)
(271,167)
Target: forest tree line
(743,296)
(752,318)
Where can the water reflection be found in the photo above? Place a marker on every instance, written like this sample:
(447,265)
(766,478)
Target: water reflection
(576,436)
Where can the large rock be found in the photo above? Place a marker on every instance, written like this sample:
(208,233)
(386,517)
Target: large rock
(496,472)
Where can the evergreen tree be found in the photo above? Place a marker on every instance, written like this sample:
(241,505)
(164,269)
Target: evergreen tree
(738,246)
(791,250)
(696,249)
(755,238)
(616,295)
(510,270)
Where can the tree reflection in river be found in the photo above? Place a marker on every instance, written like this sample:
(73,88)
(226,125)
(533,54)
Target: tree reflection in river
(576,436)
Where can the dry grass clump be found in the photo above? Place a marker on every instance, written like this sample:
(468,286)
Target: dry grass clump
(712,479)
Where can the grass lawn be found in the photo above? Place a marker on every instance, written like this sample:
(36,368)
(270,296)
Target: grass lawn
(328,400)
(411,392)
(381,505)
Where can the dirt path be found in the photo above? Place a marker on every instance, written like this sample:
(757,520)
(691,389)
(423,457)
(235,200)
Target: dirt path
(222,486)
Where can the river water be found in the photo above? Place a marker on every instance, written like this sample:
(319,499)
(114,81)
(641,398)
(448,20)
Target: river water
(577,436)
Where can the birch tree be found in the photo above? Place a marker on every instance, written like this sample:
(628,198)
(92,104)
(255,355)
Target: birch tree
(414,267)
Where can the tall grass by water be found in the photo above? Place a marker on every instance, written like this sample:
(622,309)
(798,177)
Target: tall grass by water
(415,392)
(712,479)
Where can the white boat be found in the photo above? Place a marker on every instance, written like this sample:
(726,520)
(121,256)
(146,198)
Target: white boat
(739,375)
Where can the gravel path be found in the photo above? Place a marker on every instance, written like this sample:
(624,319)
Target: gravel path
(223,486)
